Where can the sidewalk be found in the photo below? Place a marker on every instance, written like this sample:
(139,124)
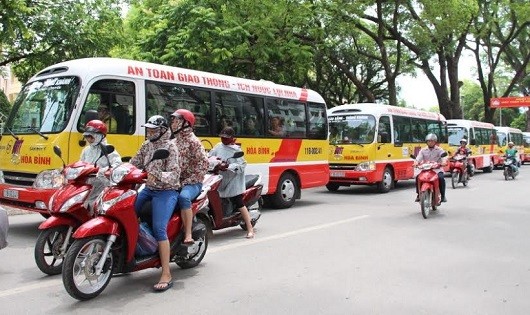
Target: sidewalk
(15,211)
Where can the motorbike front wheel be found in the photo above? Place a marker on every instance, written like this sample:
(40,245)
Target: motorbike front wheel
(426,203)
(48,255)
(506,173)
(454,179)
(79,270)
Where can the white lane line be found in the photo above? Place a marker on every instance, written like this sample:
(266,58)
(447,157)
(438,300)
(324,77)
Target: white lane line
(42,284)
(284,235)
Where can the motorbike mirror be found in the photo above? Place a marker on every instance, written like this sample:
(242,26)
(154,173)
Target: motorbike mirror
(159,154)
(238,154)
(107,149)
(57,151)
(412,156)
(444,154)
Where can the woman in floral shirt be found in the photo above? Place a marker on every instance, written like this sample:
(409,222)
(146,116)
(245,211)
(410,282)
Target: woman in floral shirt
(193,165)
(161,188)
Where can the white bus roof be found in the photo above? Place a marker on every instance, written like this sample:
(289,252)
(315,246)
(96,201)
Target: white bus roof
(508,129)
(469,123)
(380,109)
(93,67)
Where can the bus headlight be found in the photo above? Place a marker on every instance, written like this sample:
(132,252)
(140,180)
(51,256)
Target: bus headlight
(366,166)
(2,180)
(49,179)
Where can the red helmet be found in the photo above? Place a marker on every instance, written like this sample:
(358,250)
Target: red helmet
(95,126)
(186,115)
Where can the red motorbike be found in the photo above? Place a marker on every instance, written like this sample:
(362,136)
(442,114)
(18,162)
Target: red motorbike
(106,244)
(222,213)
(458,170)
(429,187)
(68,210)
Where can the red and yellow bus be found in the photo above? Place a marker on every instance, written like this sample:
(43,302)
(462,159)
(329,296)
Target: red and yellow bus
(526,143)
(371,144)
(55,104)
(481,138)
(505,135)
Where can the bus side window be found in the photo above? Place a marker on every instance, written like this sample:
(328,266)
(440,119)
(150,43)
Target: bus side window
(383,133)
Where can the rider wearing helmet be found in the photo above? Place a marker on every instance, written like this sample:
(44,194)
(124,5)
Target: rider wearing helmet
(465,151)
(95,135)
(432,153)
(193,163)
(161,188)
(511,152)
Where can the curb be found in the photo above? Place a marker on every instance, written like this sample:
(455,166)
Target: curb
(14,211)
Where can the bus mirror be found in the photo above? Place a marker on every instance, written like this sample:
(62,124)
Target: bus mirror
(472,142)
(57,151)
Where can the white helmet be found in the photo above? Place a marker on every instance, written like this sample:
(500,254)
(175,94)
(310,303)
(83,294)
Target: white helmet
(431,136)
(510,143)
(463,140)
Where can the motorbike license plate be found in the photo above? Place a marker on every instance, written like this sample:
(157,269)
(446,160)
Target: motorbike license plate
(9,193)
(337,173)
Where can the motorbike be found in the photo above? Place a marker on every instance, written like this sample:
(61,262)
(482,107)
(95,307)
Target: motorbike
(68,209)
(222,213)
(458,170)
(510,168)
(428,187)
(106,245)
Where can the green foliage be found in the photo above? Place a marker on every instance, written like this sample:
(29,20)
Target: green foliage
(5,106)
(36,34)
(519,122)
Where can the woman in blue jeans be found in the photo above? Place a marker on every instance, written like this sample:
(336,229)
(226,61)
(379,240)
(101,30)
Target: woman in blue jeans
(160,188)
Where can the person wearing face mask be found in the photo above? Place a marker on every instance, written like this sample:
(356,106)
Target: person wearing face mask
(95,135)
(233,172)
(432,153)
(160,188)
(193,165)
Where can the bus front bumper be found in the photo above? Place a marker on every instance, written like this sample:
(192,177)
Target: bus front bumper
(353,177)
(25,198)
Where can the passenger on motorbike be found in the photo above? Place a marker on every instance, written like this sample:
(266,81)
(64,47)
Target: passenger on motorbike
(511,153)
(161,188)
(95,134)
(432,153)
(233,172)
(193,163)
(464,150)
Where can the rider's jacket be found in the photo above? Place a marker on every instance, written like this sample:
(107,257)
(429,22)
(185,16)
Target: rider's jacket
(431,155)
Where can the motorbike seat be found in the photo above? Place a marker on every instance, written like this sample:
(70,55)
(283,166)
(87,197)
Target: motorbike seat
(250,180)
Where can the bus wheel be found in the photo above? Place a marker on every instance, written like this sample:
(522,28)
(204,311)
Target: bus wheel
(332,186)
(286,192)
(386,182)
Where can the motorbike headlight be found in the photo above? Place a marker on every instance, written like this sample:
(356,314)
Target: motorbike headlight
(76,199)
(118,173)
(366,166)
(73,172)
(49,179)
(103,206)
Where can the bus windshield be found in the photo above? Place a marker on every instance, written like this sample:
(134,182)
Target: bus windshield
(44,106)
(501,136)
(526,141)
(456,134)
(352,129)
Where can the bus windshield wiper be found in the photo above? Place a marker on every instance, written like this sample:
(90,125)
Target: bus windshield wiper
(11,132)
(38,132)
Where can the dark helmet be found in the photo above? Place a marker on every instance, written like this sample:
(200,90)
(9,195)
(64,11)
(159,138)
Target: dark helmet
(186,115)
(227,132)
(156,121)
(95,126)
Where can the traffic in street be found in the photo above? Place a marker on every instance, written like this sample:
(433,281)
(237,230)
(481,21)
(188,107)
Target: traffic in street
(350,251)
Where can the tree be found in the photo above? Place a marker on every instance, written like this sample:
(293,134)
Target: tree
(36,34)
(5,106)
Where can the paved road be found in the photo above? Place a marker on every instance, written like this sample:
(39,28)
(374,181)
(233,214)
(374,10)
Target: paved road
(350,252)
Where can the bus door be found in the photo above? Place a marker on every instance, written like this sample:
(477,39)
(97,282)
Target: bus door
(113,102)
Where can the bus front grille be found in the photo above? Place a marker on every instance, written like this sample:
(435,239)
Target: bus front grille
(344,167)
(19,179)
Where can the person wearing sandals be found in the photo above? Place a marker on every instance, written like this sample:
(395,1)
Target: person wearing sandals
(193,165)
(160,188)
(233,172)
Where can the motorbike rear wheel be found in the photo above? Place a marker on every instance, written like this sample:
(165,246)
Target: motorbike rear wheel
(454,179)
(201,243)
(426,200)
(79,278)
(48,256)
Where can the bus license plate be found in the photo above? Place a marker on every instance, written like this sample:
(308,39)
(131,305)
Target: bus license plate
(9,193)
(338,173)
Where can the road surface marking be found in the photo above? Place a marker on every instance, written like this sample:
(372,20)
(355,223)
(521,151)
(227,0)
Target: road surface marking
(42,284)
